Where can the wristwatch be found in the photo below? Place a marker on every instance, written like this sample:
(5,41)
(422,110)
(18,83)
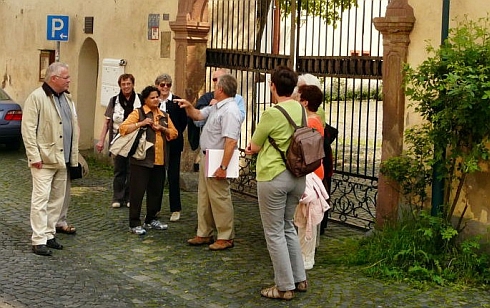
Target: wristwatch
(223,167)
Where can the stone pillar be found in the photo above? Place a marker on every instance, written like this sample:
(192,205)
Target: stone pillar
(191,36)
(395,28)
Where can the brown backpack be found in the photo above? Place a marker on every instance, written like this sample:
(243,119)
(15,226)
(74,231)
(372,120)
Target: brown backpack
(305,152)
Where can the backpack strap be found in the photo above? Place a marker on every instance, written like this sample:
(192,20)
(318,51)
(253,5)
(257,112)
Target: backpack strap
(274,144)
(288,117)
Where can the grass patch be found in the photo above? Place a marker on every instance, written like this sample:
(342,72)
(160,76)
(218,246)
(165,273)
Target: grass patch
(422,251)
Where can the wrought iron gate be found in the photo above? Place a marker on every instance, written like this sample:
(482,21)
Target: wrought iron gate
(253,37)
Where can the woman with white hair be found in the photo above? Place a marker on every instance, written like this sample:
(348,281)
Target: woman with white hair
(310,80)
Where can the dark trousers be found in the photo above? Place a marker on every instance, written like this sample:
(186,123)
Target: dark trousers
(327,182)
(120,184)
(173,170)
(149,180)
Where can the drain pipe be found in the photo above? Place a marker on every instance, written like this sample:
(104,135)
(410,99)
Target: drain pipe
(445,20)
(437,182)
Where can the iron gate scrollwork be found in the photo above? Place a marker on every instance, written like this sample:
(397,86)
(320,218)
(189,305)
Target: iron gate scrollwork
(252,39)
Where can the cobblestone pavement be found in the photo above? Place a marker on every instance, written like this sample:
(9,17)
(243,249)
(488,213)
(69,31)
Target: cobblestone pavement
(103,265)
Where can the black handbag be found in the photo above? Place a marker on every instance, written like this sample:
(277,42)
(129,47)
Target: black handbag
(76,172)
(79,171)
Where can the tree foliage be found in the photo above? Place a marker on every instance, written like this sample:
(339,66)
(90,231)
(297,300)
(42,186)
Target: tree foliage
(329,10)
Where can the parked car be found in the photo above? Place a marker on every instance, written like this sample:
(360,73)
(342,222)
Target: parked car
(10,121)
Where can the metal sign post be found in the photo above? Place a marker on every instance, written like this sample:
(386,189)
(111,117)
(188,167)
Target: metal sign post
(57,29)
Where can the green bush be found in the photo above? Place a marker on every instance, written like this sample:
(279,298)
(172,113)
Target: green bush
(339,90)
(451,91)
(423,250)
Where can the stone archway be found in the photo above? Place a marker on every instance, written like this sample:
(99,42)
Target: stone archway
(87,91)
(191,30)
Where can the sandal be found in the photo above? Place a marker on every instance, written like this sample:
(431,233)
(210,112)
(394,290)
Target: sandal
(302,286)
(66,229)
(274,292)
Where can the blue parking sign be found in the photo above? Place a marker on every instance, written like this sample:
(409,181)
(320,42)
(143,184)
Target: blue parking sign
(58,28)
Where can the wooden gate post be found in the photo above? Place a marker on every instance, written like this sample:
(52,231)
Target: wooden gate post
(191,30)
(395,28)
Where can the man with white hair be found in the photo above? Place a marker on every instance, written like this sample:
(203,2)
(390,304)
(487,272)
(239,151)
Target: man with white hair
(221,131)
(207,99)
(50,134)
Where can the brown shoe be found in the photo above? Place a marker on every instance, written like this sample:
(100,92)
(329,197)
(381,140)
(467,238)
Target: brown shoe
(221,245)
(196,241)
(302,286)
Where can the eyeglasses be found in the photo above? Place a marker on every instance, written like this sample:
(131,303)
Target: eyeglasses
(65,78)
(215,79)
(163,84)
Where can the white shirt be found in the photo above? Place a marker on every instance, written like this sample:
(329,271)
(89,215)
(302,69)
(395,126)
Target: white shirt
(163,102)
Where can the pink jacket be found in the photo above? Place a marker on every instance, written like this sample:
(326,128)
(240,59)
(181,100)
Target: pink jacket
(312,205)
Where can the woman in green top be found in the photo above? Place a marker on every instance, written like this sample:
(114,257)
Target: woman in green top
(278,189)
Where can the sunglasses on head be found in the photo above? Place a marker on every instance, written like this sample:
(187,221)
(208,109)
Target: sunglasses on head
(163,84)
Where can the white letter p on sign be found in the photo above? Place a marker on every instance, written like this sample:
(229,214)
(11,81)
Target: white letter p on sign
(56,25)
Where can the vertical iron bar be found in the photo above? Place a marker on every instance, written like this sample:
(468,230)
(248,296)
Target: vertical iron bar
(229,27)
(298,33)
(213,23)
(220,25)
(379,100)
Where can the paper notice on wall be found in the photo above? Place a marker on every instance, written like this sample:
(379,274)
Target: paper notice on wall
(213,161)
(111,70)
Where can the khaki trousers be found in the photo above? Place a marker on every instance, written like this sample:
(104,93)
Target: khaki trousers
(214,207)
(48,194)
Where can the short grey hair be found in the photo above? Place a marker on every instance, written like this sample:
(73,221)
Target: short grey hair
(163,77)
(54,69)
(228,84)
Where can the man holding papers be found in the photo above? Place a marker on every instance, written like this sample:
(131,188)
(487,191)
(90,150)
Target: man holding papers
(221,132)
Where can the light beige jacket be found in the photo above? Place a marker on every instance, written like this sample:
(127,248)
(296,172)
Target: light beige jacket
(42,130)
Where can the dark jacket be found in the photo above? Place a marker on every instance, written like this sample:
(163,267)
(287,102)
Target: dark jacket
(193,132)
(179,119)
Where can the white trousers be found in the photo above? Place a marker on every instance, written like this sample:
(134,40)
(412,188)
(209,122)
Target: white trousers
(308,246)
(62,223)
(48,194)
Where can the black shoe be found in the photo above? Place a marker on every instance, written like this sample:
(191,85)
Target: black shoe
(41,250)
(52,243)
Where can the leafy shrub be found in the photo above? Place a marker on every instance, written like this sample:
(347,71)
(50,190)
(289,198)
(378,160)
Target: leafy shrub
(423,249)
(451,90)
